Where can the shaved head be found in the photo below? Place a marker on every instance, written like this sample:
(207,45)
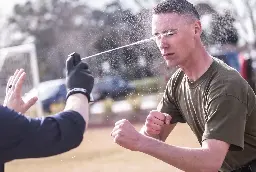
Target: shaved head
(181,7)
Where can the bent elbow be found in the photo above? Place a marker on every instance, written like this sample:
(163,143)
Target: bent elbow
(68,143)
(71,139)
(76,142)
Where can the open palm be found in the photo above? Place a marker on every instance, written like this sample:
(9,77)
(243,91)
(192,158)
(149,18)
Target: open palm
(13,98)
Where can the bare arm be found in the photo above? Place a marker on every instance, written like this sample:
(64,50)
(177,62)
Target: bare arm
(208,158)
(78,103)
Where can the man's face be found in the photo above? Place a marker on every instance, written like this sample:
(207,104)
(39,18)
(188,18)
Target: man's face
(175,37)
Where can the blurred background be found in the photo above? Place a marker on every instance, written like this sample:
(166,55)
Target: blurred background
(38,35)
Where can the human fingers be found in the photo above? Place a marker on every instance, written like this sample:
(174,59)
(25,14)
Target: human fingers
(115,131)
(16,77)
(168,118)
(152,131)
(72,60)
(8,86)
(120,122)
(30,103)
(153,126)
(154,120)
(19,84)
(157,114)
(10,81)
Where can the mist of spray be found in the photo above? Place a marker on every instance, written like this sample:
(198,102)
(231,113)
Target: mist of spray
(108,51)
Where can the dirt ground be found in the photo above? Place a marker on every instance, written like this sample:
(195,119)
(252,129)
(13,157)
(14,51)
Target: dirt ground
(98,153)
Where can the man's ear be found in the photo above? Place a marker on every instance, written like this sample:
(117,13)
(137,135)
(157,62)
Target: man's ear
(198,28)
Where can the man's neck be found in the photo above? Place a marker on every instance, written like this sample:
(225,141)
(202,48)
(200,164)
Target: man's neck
(197,65)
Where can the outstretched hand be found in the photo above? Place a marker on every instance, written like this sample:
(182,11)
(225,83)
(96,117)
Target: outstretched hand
(13,98)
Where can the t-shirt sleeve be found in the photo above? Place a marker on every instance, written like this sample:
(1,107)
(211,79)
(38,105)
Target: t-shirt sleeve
(226,121)
(24,137)
(168,105)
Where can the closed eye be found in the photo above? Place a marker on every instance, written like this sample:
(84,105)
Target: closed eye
(156,34)
(166,33)
(169,33)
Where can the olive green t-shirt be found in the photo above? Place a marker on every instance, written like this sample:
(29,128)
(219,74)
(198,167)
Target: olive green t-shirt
(219,105)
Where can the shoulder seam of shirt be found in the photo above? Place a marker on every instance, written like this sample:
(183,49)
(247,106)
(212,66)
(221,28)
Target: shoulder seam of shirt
(228,95)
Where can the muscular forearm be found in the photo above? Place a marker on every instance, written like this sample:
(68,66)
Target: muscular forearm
(78,103)
(186,159)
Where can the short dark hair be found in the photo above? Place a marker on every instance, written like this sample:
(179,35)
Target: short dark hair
(182,7)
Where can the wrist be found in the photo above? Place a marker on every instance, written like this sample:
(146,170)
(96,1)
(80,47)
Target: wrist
(79,91)
(79,103)
(78,96)
(145,133)
(145,141)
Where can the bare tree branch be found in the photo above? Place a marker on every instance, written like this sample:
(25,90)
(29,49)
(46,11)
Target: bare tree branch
(138,2)
(241,18)
(252,17)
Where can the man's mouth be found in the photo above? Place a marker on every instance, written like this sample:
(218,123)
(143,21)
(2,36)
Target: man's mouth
(168,56)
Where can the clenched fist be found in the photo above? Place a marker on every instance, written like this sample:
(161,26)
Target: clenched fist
(155,122)
(126,136)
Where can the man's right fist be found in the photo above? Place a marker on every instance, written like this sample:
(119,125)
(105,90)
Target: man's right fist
(78,76)
(155,121)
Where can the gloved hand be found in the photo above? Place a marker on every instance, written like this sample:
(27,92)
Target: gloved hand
(78,76)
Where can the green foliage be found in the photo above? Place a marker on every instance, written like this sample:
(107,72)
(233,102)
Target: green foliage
(135,101)
(147,85)
(108,103)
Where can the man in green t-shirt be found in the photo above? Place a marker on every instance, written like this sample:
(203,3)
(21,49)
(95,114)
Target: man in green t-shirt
(211,97)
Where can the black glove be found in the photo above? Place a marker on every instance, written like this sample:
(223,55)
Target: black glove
(78,77)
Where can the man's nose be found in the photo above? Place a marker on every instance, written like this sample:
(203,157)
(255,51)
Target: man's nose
(162,42)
